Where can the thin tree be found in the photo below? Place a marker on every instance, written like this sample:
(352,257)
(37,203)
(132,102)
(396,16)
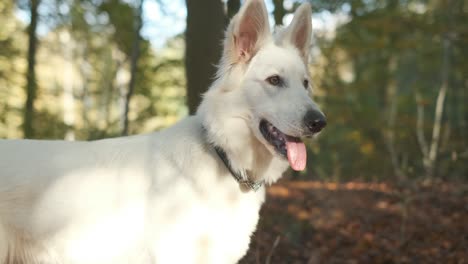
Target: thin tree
(133,64)
(31,85)
(391,110)
(430,151)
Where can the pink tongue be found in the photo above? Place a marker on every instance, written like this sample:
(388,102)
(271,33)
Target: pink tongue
(297,155)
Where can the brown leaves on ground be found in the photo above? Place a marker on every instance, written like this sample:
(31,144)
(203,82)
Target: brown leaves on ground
(315,222)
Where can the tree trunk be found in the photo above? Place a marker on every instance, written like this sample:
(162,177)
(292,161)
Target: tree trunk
(205,27)
(391,111)
(85,73)
(420,128)
(430,152)
(133,65)
(232,8)
(31,86)
(434,148)
(68,98)
(279,12)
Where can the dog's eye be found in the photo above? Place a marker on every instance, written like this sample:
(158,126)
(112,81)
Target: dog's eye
(274,80)
(306,83)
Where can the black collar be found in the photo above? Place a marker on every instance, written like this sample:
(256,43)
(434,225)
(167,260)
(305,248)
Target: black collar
(240,176)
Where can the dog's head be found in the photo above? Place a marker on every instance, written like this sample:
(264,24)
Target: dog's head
(275,79)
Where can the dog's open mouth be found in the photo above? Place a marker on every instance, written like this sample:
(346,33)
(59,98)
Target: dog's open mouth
(287,146)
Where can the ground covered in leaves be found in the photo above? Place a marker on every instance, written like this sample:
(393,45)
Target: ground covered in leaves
(316,222)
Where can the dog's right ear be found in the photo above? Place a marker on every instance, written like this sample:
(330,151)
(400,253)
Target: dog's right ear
(299,32)
(248,30)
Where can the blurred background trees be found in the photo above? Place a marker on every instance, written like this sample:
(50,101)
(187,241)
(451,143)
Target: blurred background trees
(390,75)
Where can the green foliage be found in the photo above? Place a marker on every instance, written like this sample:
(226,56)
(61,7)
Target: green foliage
(12,65)
(392,50)
(88,47)
(160,94)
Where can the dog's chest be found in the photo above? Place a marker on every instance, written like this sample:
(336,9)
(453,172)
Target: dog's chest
(212,228)
(229,237)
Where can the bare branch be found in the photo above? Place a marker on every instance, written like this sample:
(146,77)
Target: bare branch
(275,244)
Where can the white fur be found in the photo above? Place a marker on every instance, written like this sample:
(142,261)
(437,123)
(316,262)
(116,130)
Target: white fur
(163,197)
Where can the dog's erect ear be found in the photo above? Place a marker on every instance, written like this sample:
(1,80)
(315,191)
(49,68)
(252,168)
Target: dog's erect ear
(299,32)
(250,28)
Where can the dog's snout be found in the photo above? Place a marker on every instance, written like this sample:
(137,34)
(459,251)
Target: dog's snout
(315,121)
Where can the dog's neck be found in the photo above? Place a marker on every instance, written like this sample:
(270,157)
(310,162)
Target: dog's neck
(226,126)
(240,175)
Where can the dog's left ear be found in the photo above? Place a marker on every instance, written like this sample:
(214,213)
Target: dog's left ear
(299,32)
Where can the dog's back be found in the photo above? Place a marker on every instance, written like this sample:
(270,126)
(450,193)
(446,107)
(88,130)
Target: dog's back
(112,201)
(45,185)
(52,189)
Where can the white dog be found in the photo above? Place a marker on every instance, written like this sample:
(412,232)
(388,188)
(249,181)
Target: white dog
(187,194)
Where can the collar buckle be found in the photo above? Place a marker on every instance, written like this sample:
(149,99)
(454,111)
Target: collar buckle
(239,176)
(250,184)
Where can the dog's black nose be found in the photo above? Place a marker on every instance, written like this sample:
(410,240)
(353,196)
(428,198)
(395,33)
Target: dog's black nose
(315,121)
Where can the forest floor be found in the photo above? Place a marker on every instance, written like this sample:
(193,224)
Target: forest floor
(318,222)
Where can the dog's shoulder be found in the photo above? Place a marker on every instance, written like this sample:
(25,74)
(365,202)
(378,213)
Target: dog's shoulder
(186,135)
